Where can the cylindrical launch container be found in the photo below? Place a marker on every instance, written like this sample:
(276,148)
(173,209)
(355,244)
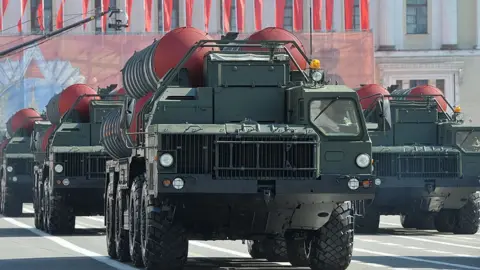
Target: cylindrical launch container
(145,68)
(62,102)
(369,93)
(422,90)
(113,138)
(132,116)
(23,119)
(275,33)
(46,137)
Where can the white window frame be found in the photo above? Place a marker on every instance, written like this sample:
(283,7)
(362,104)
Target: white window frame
(392,70)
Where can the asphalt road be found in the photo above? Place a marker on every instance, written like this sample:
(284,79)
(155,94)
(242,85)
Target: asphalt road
(24,248)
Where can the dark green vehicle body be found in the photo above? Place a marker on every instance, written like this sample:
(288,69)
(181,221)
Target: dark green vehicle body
(77,189)
(17,175)
(259,150)
(427,162)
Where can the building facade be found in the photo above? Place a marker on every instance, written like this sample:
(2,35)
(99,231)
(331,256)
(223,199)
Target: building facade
(416,41)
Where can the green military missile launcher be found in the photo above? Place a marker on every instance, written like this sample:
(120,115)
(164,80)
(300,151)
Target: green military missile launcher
(246,144)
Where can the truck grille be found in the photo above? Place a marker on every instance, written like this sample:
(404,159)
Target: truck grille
(92,166)
(432,165)
(21,166)
(245,157)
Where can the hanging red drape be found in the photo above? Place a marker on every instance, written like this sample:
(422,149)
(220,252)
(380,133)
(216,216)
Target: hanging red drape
(329,15)
(23,7)
(258,14)
(279,12)
(105,6)
(128,7)
(189,11)
(364,14)
(167,15)
(206,10)
(317,15)
(4,7)
(59,21)
(298,15)
(40,15)
(241,15)
(148,15)
(349,14)
(227,10)
(84,11)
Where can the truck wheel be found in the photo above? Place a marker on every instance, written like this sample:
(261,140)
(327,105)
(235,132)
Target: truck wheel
(255,249)
(38,207)
(110,220)
(60,217)
(275,249)
(166,243)
(445,221)
(420,221)
(134,221)
(12,206)
(44,200)
(331,246)
(468,217)
(368,223)
(297,252)
(121,236)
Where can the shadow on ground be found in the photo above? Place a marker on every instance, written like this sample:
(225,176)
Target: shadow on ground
(20,232)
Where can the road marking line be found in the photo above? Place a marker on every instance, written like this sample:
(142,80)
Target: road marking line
(435,242)
(400,226)
(457,266)
(438,251)
(368,264)
(368,240)
(390,244)
(62,242)
(415,248)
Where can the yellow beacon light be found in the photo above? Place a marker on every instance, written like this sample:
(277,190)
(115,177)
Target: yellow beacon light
(315,64)
(457,109)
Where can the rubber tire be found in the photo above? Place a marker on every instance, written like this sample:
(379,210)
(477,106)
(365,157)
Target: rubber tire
(468,217)
(275,249)
(121,236)
(110,219)
(331,246)
(11,206)
(38,213)
(165,242)
(255,249)
(44,207)
(297,253)
(134,221)
(419,221)
(369,223)
(445,221)
(60,217)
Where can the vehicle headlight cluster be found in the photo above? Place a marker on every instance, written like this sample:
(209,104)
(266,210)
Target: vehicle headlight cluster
(363,160)
(317,76)
(166,160)
(9,169)
(58,168)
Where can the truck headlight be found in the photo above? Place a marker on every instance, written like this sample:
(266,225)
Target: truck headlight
(317,76)
(363,160)
(166,160)
(58,168)
(9,169)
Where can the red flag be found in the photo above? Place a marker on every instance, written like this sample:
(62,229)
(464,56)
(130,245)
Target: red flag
(349,14)
(189,11)
(258,14)
(241,15)
(364,14)
(148,15)
(23,6)
(206,10)
(279,12)
(59,23)
(105,6)
(40,15)
(128,7)
(317,15)
(298,15)
(329,15)
(84,11)
(167,15)
(4,7)
(227,10)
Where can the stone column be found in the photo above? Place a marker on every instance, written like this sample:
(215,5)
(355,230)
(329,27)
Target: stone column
(478,24)
(449,16)
(386,25)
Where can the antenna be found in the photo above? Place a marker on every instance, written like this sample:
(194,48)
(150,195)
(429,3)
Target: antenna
(311,30)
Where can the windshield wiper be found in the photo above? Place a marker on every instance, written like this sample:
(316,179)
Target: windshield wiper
(324,109)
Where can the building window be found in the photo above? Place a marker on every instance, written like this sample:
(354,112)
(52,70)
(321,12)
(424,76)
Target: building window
(440,84)
(415,83)
(417,17)
(288,16)
(233,17)
(356,15)
(175,16)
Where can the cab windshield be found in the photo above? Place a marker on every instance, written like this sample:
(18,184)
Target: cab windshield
(335,117)
(468,141)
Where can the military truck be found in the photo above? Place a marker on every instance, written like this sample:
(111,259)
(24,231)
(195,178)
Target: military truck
(70,181)
(425,158)
(17,159)
(229,145)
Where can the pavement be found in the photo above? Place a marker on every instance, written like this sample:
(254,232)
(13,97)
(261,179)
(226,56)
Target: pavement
(22,247)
